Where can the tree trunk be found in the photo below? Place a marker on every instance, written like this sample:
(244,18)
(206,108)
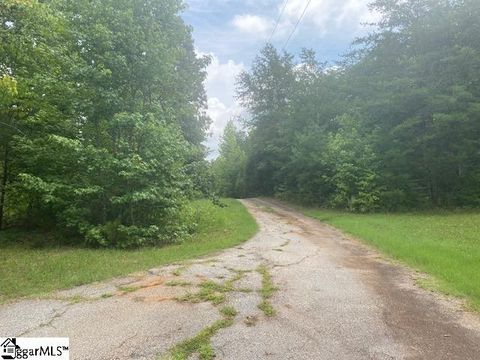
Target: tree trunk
(3,186)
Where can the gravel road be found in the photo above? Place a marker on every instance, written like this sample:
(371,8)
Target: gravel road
(331,298)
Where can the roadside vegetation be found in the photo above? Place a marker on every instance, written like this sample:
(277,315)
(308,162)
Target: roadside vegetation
(102,120)
(394,125)
(391,127)
(445,245)
(36,263)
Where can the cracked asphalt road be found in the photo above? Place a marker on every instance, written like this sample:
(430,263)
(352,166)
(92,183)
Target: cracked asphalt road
(336,299)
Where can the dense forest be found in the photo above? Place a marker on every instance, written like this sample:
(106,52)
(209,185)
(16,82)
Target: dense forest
(394,125)
(102,116)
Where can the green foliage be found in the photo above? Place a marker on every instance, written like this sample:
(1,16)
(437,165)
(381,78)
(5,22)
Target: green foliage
(8,88)
(267,291)
(229,168)
(394,125)
(349,155)
(34,262)
(104,110)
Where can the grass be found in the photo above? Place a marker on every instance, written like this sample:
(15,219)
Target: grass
(209,291)
(128,289)
(228,311)
(174,283)
(267,308)
(266,292)
(445,245)
(30,271)
(200,344)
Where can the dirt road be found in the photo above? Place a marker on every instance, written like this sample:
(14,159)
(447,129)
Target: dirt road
(331,298)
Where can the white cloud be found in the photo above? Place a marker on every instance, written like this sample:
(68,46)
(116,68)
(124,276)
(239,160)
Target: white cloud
(327,16)
(222,107)
(253,25)
(221,78)
(220,115)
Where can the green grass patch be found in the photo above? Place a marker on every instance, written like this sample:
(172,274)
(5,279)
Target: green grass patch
(215,293)
(445,245)
(267,308)
(178,283)
(200,344)
(229,284)
(267,291)
(209,291)
(228,311)
(28,270)
(128,289)
(268,287)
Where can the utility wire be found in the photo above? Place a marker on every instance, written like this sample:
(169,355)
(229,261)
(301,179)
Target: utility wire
(296,25)
(278,20)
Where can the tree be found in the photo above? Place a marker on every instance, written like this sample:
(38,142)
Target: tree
(266,93)
(111,108)
(229,167)
(394,125)
(33,55)
(8,91)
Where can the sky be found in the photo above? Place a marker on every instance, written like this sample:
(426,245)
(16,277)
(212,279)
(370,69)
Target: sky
(233,31)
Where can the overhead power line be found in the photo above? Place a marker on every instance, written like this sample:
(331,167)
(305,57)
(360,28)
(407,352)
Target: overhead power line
(296,25)
(278,20)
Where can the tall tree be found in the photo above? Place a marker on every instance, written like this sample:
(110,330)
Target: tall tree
(229,167)
(111,108)
(266,92)
(395,124)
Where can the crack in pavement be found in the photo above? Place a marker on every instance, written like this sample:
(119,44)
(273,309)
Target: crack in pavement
(55,316)
(127,340)
(295,262)
(338,300)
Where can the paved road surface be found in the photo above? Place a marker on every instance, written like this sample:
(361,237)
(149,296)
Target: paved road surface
(337,299)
